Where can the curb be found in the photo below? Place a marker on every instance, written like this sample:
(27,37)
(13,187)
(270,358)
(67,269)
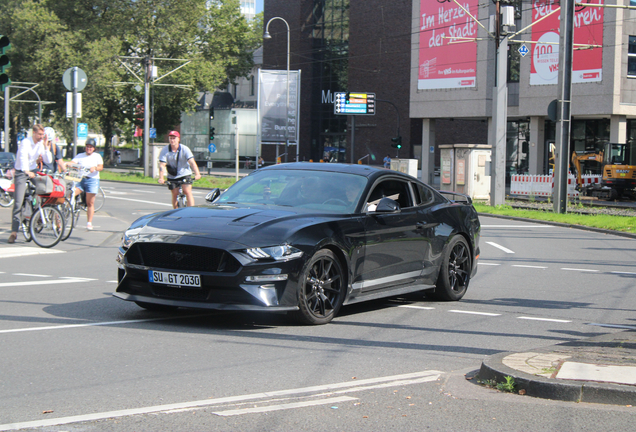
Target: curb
(570,391)
(563,225)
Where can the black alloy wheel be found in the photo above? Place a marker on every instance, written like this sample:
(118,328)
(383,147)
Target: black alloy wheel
(321,289)
(454,274)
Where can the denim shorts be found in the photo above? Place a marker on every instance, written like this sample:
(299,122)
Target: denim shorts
(89,185)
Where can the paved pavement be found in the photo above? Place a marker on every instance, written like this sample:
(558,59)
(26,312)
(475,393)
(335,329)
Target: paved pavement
(601,369)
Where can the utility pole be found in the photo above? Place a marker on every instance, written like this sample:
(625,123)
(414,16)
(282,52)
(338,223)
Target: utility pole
(147,79)
(562,156)
(500,109)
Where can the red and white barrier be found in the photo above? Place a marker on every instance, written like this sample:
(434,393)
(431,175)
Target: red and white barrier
(543,185)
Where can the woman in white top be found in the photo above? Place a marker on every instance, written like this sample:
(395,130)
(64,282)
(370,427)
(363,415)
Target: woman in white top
(26,163)
(93,162)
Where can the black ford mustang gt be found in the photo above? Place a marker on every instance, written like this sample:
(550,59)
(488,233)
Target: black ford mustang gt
(305,238)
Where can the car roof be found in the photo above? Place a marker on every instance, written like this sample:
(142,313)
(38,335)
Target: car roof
(363,170)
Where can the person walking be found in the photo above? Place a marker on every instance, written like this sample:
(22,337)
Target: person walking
(178,162)
(93,162)
(29,151)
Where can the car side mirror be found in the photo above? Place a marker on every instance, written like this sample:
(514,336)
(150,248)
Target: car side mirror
(213,194)
(387,205)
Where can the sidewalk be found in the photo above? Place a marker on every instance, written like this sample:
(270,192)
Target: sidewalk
(601,369)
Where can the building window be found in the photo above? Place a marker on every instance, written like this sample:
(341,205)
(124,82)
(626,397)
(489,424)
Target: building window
(631,57)
(252,91)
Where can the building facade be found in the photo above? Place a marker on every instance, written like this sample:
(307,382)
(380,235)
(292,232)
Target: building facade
(433,92)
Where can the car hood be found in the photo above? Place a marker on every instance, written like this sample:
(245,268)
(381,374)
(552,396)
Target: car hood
(236,224)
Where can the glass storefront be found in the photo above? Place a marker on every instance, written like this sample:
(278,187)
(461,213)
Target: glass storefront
(330,20)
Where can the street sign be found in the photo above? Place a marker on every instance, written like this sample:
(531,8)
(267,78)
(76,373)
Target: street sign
(82,130)
(212,148)
(523,50)
(152,132)
(69,105)
(348,103)
(67,79)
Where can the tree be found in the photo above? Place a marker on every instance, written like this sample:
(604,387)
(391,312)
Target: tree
(50,36)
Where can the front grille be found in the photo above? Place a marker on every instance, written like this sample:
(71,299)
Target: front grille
(182,257)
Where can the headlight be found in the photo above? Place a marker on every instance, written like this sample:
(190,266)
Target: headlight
(278,253)
(128,238)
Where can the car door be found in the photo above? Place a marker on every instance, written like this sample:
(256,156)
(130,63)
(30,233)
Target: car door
(395,245)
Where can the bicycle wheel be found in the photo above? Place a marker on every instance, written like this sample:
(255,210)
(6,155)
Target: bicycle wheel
(6,199)
(69,220)
(25,216)
(47,226)
(182,201)
(100,198)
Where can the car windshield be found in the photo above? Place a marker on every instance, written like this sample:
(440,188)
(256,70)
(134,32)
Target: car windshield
(328,192)
(7,157)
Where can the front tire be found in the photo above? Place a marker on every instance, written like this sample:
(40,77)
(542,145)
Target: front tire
(321,289)
(6,199)
(454,274)
(47,226)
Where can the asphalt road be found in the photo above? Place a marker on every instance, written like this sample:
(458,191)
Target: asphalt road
(73,358)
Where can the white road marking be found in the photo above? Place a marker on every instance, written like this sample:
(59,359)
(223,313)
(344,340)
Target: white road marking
(544,319)
(518,226)
(68,326)
(613,326)
(143,191)
(474,313)
(395,380)
(141,201)
(416,307)
(292,405)
(20,251)
(46,282)
(487,263)
(506,250)
(581,270)
(29,274)
(529,266)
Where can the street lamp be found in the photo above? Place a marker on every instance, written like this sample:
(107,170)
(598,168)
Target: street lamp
(266,35)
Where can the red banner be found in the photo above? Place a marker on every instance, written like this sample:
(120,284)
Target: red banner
(587,61)
(448,55)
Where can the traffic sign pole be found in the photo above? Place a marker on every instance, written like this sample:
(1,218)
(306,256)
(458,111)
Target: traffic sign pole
(74,88)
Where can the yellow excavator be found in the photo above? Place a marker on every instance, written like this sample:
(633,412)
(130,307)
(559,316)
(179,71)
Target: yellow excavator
(618,178)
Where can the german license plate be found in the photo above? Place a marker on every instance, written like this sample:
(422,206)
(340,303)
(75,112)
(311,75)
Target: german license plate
(166,278)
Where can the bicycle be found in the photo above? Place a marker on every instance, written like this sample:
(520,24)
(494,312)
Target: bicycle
(6,189)
(73,203)
(182,199)
(40,219)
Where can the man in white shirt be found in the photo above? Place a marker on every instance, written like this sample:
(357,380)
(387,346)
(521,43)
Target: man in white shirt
(26,163)
(93,162)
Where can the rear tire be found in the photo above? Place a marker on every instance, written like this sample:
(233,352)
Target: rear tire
(47,226)
(454,274)
(100,199)
(321,289)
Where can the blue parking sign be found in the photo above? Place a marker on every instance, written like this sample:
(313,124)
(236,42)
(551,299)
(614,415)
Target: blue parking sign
(152,132)
(82,130)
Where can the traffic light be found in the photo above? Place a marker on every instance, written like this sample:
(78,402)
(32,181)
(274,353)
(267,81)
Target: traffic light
(212,130)
(4,62)
(397,142)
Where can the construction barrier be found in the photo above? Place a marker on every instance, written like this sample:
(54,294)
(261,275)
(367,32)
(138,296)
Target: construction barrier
(543,185)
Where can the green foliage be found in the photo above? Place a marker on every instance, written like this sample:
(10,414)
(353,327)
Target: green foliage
(138,177)
(616,223)
(508,386)
(50,36)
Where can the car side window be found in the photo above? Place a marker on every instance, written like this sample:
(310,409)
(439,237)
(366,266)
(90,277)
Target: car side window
(424,195)
(397,190)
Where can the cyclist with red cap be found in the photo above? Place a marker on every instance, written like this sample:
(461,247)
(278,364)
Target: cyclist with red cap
(177,161)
